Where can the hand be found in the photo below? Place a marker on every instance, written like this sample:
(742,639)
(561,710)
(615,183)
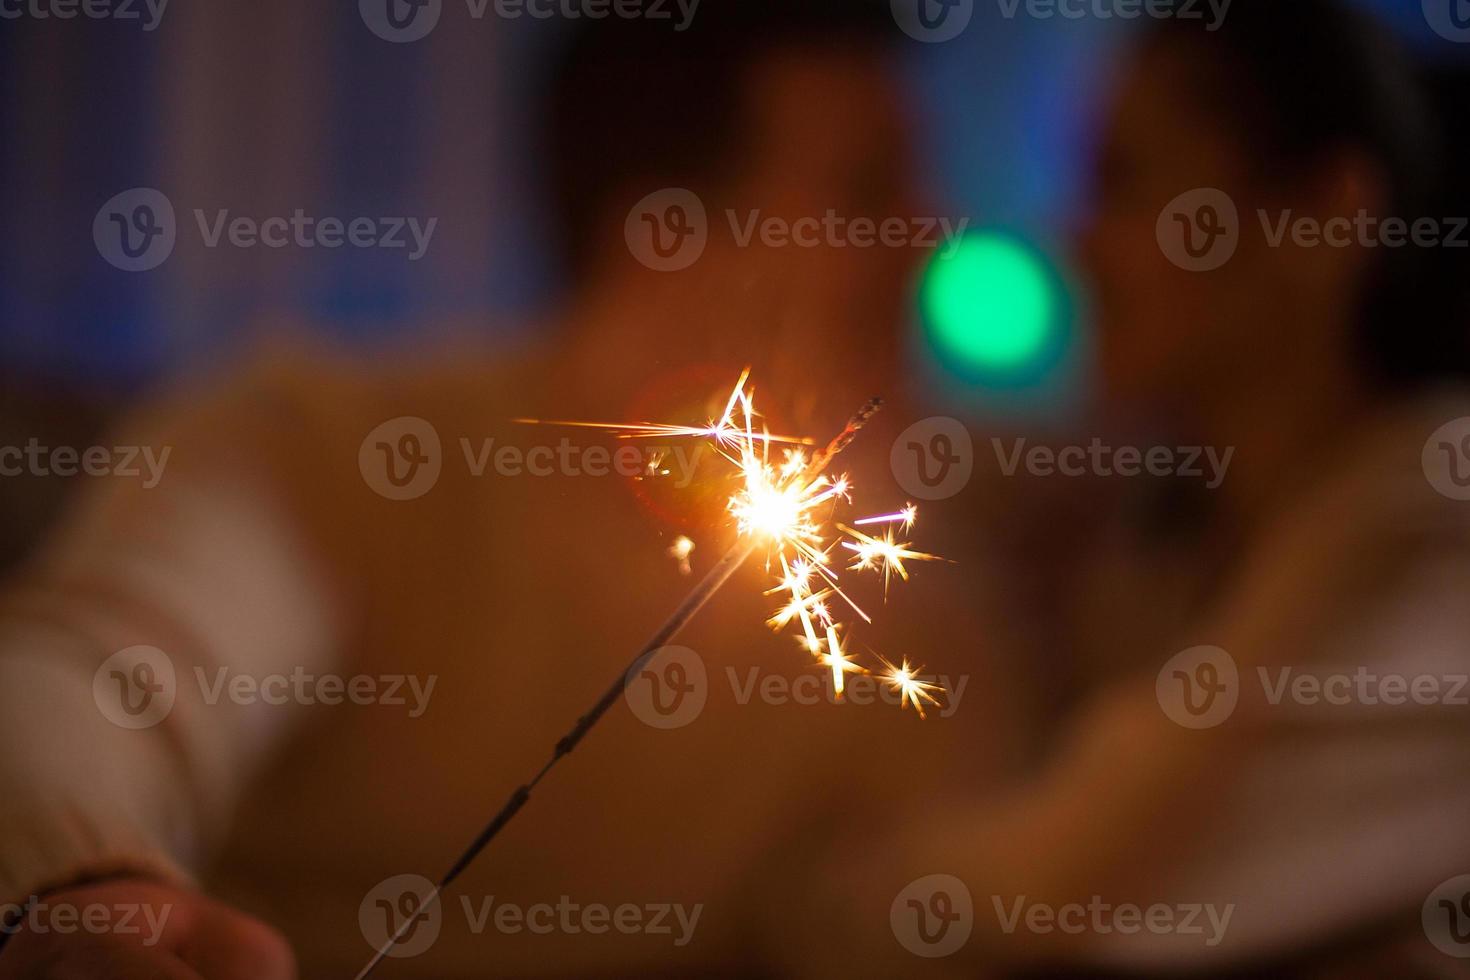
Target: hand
(133,929)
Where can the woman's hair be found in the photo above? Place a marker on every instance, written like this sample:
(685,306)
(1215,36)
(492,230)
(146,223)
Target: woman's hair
(1304,81)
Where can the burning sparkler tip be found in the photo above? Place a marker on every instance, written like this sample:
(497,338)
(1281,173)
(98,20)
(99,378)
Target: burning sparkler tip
(784,506)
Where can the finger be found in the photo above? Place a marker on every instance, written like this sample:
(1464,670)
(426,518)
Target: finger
(42,958)
(227,945)
(135,963)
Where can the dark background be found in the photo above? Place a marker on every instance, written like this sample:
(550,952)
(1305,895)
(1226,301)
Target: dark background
(267,106)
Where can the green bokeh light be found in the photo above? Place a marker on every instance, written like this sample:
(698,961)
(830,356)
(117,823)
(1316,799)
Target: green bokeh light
(991,305)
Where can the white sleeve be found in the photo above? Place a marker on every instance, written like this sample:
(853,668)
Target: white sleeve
(123,750)
(1354,804)
(1285,826)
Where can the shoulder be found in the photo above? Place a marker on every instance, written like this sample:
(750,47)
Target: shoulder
(293,404)
(1374,540)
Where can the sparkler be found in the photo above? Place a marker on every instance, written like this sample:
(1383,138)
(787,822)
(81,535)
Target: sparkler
(778,505)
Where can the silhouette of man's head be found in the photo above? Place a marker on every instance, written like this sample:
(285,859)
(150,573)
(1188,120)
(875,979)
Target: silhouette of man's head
(778,99)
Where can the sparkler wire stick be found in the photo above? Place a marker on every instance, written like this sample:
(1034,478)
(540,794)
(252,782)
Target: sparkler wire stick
(692,604)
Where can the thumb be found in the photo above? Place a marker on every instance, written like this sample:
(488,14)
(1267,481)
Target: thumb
(224,944)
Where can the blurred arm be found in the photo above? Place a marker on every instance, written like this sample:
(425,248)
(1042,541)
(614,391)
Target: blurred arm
(1297,821)
(211,568)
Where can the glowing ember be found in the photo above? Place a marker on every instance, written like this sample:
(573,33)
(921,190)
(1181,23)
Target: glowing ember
(680,551)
